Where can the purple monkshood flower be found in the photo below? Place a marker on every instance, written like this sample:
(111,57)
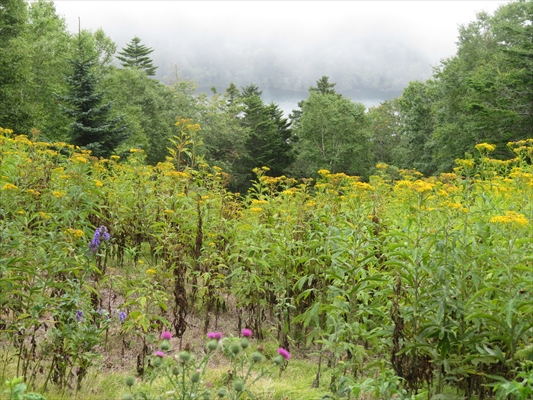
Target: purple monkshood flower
(159,354)
(215,335)
(99,234)
(122,315)
(246,332)
(79,315)
(165,335)
(284,353)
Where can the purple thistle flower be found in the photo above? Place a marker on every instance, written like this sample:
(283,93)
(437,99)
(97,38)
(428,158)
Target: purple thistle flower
(79,315)
(159,354)
(215,335)
(97,238)
(246,332)
(122,315)
(284,353)
(165,335)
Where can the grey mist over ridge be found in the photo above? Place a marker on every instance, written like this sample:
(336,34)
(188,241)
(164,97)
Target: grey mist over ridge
(370,49)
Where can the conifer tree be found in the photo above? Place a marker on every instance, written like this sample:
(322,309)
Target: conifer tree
(269,142)
(135,55)
(93,127)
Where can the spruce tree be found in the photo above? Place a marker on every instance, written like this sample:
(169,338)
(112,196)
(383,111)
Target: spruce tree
(135,55)
(92,128)
(269,141)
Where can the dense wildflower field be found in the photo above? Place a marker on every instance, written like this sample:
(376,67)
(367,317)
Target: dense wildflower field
(397,286)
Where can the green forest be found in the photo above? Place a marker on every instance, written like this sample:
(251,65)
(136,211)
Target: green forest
(482,94)
(156,243)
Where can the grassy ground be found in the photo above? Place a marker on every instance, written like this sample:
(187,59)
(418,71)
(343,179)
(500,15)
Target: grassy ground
(294,384)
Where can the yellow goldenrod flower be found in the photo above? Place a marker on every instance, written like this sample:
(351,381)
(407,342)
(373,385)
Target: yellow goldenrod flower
(44,215)
(9,186)
(256,202)
(510,218)
(485,147)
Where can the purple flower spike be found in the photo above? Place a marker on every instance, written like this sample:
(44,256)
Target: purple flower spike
(284,353)
(79,315)
(159,354)
(99,233)
(122,315)
(165,335)
(246,332)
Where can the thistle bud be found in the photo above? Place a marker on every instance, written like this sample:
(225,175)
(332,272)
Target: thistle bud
(235,348)
(257,357)
(238,385)
(157,361)
(212,344)
(130,380)
(195,377)
(184,356)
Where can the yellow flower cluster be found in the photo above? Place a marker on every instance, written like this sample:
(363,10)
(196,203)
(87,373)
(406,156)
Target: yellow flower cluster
(33,192)
(178,174)
(485,147)
(151,271)
(450,176)
(464,163)
(58,194)
(510,218)
(422,186)
(77,233)
(9,186)
(256,202)
(44,215)
(362,185)
(79,159)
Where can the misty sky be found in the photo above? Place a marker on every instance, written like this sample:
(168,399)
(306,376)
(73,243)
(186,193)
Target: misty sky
(421,33)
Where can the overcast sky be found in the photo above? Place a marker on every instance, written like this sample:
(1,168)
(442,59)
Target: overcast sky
(431,24)
(427,28)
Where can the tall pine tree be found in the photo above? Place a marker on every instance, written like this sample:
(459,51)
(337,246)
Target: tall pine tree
(93,127)
(135,55)
(269,142)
